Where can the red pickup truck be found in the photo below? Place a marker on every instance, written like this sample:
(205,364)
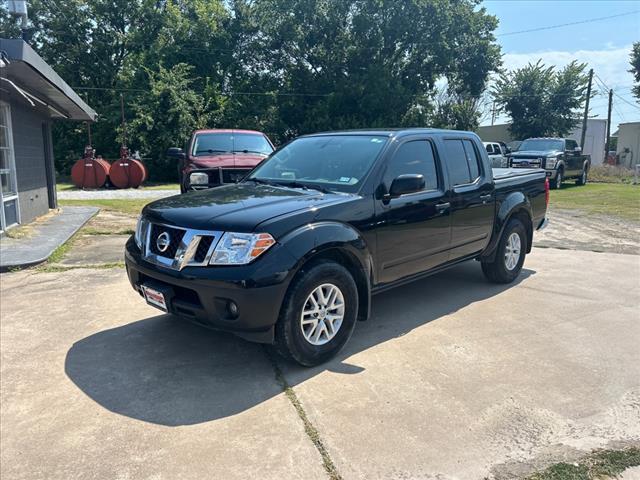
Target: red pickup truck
(216,157)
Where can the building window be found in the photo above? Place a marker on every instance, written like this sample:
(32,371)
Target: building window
(9,213)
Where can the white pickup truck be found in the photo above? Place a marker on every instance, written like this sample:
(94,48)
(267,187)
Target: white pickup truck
(497,152)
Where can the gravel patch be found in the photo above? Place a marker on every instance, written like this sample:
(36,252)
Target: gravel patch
(115,194)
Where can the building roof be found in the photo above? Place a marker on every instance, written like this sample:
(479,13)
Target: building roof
(27,71)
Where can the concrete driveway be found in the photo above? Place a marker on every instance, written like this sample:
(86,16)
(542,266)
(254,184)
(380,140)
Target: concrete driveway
(451,378)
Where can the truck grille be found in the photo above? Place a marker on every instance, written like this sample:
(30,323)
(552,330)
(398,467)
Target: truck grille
(173,236)
(526,162)
(203,248)
(179,247)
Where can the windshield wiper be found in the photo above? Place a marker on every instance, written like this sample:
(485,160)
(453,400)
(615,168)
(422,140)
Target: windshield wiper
(258,180)
(294,184)
(249,151)
(211,151)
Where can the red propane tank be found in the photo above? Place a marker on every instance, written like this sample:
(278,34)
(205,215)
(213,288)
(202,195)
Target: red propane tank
(127,172)
(90,172)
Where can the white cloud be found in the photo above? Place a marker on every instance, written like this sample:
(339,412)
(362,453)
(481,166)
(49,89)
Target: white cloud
(610,65)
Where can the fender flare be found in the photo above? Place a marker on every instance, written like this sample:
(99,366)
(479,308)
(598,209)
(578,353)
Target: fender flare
(325,238)
(516,203)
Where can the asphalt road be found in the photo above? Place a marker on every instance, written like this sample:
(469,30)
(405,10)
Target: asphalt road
(451,378)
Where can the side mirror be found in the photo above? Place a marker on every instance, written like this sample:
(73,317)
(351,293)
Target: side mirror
(408,183)
(175,152)
(577,151)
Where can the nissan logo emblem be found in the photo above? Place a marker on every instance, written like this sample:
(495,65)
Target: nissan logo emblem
(163,241)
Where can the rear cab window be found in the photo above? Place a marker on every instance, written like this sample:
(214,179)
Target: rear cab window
(463,162)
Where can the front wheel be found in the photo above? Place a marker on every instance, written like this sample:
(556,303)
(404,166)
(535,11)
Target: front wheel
(318,314)
(509,257)
(557,183)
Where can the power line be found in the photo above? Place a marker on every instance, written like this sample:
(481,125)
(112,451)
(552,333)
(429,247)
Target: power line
(550,27)
(617,95)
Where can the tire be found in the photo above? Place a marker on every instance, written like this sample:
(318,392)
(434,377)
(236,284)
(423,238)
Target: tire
(502,269)
(557,183)
(301,342)
(583,177)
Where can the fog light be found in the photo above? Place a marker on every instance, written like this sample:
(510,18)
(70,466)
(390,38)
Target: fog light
(199,178)
(232,308)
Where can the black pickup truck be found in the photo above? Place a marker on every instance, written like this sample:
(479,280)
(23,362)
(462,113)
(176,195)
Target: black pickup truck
(292,253)
(561,158)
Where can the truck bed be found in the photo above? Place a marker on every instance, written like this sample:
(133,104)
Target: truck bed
(508,173)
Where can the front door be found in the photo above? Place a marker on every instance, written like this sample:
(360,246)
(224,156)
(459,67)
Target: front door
(9,209)
(413,230)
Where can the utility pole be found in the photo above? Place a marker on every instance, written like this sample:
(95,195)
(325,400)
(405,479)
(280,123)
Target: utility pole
(586,110)
(608,144)
(493,113)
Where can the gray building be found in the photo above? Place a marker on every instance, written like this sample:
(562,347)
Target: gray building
(32,96)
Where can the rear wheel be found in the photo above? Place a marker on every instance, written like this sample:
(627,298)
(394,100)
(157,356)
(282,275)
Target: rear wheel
(318,314)
(583,177)
(509,257)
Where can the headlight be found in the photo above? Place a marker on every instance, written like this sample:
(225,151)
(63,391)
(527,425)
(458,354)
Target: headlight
(198,178)
(551,162)
(240,248)
(141,231)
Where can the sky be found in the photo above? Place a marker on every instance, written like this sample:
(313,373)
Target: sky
(604,45)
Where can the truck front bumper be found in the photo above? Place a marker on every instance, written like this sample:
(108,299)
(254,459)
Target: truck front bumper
(204,295)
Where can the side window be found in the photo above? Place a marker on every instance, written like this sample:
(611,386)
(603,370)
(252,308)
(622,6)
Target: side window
(571,144)
(472,159)
(457,162)
(489,148)
(413,157)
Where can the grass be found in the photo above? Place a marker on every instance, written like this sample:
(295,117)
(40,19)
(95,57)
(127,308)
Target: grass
(98,231)
(618,200)
(65,186)
(599,464)
(59,253)
(50,268)
(611,174)
(128,206)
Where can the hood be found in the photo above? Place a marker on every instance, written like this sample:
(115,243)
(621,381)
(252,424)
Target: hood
(238,160)
(236,207)
(533,153)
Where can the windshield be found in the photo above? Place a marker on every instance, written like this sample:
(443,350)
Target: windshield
(334,162)
(541,144)
(212,143)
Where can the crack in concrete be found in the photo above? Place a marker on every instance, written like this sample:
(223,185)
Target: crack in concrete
(309,428)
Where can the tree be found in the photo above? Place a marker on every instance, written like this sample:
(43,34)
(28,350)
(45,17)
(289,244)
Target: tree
(635,69)
(167,114)
(367,63)
(285,67)
(540,100)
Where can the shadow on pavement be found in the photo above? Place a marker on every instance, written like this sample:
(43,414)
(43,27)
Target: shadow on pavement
(166,371)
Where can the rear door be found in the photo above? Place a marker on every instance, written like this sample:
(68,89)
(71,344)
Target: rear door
(573,160)
(471,197)
(413,230)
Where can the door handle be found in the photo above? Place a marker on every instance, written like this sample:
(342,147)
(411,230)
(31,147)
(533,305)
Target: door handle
(441,207)
(486,197)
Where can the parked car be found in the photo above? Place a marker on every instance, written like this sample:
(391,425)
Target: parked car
(497,152)
(561,158)
(216,157)
(292,254)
